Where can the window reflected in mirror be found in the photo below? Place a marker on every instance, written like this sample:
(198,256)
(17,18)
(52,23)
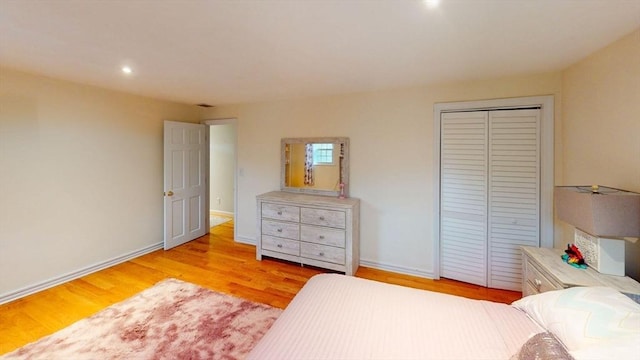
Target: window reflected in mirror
(315,165)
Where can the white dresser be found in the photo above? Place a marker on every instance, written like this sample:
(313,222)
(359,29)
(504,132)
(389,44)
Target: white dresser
(544,270)
(315,230)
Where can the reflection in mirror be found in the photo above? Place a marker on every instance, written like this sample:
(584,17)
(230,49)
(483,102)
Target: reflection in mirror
(314,165)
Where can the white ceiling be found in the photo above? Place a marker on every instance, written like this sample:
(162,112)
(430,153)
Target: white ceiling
(222,52)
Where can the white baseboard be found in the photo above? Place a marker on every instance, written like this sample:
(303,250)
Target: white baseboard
(220,212)
(397,269)
(246,240)
(32,289)
(366,263)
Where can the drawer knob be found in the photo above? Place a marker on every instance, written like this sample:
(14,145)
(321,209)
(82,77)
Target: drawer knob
(321,217)
(279,230)
(321,253)
(279,245)
(321,237)
(279,212)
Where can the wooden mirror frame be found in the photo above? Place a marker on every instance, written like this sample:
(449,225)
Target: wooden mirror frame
(343,142)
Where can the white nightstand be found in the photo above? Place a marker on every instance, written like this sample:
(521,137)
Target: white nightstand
(544,270)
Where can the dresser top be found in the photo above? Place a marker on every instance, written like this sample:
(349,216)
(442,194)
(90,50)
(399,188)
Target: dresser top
(550,260)
(307,199)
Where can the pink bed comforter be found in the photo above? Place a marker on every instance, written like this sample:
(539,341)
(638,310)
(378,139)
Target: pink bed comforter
(342,317)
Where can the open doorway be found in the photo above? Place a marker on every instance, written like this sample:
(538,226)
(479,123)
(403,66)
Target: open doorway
(222,169)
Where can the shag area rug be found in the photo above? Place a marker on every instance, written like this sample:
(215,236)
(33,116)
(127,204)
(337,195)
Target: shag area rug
(171,320)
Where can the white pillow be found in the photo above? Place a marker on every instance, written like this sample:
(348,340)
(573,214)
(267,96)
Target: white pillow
(583,317)
(621,349)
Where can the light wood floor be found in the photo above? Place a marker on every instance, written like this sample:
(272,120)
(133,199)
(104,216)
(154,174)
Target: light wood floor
(214,261)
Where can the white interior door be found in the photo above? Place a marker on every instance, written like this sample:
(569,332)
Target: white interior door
(463,196)
(185,213)
(514,193)
(489,194)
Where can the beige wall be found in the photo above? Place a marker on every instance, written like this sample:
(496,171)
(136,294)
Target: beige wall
(81,176)
(596,141)
(73,157)
(601,126)
(391,139)
(602,117)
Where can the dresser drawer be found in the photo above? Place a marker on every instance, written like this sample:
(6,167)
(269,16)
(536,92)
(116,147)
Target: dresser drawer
(332,218)
(281,229)
(322,235)
(538,281)
(281,212)
(281,245)
(322,253)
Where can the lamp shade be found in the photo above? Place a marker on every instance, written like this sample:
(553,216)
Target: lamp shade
(600,211)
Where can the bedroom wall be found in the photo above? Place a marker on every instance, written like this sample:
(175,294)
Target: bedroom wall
(601,124)
(391,136)
(81,176)
(72,156)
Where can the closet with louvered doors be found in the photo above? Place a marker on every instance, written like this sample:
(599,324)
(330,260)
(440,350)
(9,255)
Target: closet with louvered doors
(489,194)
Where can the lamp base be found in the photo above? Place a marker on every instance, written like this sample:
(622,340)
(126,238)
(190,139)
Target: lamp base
(604,255)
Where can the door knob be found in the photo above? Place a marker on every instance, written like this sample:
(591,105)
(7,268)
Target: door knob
(169,193)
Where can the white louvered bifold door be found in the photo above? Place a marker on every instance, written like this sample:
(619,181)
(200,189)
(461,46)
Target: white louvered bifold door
(463,196)
(514,193)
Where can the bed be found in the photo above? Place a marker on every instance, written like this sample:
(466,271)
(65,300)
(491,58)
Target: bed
(342,317)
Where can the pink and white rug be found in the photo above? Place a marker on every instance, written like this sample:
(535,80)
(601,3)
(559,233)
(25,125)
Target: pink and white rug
(171,320)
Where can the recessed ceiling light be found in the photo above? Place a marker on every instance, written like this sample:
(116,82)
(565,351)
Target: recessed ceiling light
(127,70)
(432,4)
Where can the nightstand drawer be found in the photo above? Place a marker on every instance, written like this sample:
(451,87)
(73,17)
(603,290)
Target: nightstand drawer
(544,270)
(529,289)
(538,281)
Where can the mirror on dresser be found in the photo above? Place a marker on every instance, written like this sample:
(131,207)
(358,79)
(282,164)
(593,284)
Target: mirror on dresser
(315,165)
